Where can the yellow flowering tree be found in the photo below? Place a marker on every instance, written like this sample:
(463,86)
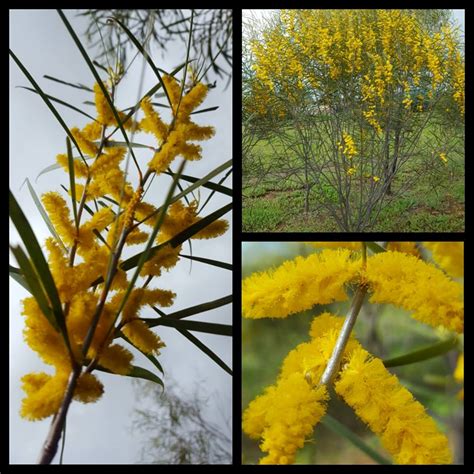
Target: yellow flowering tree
(354,91)
(86,295)
(422,278)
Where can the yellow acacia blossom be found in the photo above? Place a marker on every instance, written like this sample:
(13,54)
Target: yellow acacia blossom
(351,171)
(416,286)
(173,139)
(60,216)
(105,115)
(443,157)
(406,431)
(459,374)
(405,247)
(347,146)
(393,277)
(373,50)
(376,179)
(299,284)
(448,255)
(378,398)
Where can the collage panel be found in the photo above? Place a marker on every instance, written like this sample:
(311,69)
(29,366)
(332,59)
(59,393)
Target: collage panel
(353,352)
(353,120)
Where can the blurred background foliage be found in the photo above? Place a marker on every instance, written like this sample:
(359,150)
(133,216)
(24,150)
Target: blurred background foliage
(384,330)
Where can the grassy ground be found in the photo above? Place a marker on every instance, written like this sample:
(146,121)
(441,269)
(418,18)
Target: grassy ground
(434,204)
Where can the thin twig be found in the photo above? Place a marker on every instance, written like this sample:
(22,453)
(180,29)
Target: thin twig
(335,359)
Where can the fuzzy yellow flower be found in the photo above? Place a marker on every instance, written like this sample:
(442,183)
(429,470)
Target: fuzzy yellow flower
(449,256)
(299,284)
(406,431)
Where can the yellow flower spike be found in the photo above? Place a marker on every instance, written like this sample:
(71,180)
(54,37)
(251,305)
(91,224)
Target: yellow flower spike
(173,89)
(406,431)
(404,247)
(42,337)
(88,389)
(60,216)
(80,169)
(376,179)
(212,230)
(105,114)
(167,257)
(87,146)
(449,256)
(299,284)
(414,285)
(152,122)
(459,374)
(143,337)
(45,401)
(351,171)
(117,359)
(302,406)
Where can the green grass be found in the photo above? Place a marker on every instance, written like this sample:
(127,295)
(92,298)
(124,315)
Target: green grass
(435,203)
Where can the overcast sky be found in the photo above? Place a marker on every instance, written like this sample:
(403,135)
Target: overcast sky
(100,432)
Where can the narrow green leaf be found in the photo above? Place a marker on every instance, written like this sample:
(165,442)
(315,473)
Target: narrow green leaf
(202,111)
(203,180)
(200,326)
(427,352)
(33,283)
(39,262)
(16,274)
(150,357)
(46,100)
(214,191)
(190,311)
(112,143)
(137,372)
(141,373)
(140,48)
(57,166)
(44,214)
(59,101)
(72,180)
(77,86)
(337,427)
(376,248)
(208,261)
(209,185)
(212,355)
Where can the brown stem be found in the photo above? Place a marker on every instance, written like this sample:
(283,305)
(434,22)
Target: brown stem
(50,446)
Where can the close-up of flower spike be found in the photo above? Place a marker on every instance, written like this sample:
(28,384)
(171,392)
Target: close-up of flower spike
(334,362)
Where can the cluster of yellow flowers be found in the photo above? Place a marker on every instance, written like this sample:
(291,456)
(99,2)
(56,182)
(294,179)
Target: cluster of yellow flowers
(288,411)
(347,145)
(77,281)
(380,51)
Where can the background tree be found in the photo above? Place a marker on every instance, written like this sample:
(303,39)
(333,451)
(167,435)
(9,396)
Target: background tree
(177,428)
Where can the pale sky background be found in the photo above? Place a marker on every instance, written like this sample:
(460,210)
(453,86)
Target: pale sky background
(101,432)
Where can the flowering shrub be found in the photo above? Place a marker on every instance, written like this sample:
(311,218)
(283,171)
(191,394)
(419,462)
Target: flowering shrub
(284,416)
(348,95)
